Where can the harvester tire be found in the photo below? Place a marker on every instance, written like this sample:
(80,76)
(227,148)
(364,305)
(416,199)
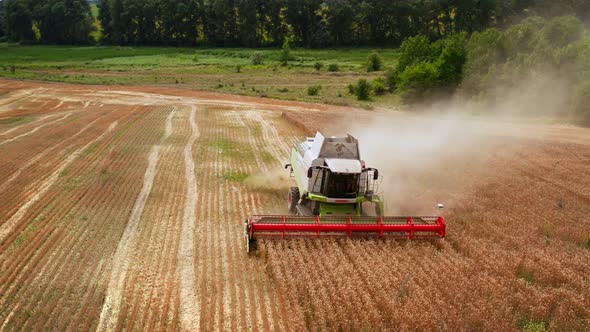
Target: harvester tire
(293,199)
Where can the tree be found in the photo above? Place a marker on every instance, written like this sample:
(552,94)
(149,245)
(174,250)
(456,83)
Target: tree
(340,18)
(220,22)
(19,21)
(362,89)
(302,16)
(415,50)
(451,61)
(418,81)
(118,22)
(2,22)
(285,55)
(180,20)
(248,23)
(104,16)
(271,23)
(374,62)
(64,21)
(485,50)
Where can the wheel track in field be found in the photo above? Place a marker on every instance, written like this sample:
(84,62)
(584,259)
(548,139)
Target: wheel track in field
(47,244)
(97,299)
(265,141)
(158,270)
(133,291)
(236,195)
(112,304)
(6,227)
(34,130)
(205,171)
(158,224)
(8,131)
(29,183)
(270,141)
(256,204)
(42,248)
(189,311)
(226,231)
(19,97)
(112,207)
(46,152)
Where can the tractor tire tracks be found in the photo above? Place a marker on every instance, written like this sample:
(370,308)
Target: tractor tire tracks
(7,227)
(34,129)
(112,304)
(189,311)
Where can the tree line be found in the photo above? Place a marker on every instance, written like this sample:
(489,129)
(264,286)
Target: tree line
(51,22)
(536,67)
(254,23)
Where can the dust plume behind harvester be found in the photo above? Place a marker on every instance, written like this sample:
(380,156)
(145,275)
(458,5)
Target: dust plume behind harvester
(336,195)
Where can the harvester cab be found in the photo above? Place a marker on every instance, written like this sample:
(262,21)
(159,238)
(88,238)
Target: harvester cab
(336,195)
(332,179)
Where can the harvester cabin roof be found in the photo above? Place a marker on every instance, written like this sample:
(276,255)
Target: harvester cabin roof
(343,147)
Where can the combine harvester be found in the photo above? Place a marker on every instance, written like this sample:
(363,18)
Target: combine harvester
(336,196)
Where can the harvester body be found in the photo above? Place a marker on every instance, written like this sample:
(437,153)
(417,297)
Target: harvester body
(332,179)
(336,195)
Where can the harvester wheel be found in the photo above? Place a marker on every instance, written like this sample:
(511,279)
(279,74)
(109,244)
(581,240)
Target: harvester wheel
(293,199)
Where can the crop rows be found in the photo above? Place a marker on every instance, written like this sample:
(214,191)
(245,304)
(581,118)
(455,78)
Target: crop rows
(516,253)
(71,214)
(123,216)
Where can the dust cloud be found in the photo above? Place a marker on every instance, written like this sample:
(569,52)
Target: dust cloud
(441,151)
(539,96)
(275,182)
(428,157)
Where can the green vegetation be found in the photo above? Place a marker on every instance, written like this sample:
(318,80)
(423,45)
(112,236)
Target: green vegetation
(94,10)
(533,326)
(224,145)
(531,57)
(252,23)
(374,63)
(236,176)
(314,90)
(378,86)
(285,54)
(362,89)
(198,68)
(536,53)
(425,69)
(17,120)
(333,67)
(257,58)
